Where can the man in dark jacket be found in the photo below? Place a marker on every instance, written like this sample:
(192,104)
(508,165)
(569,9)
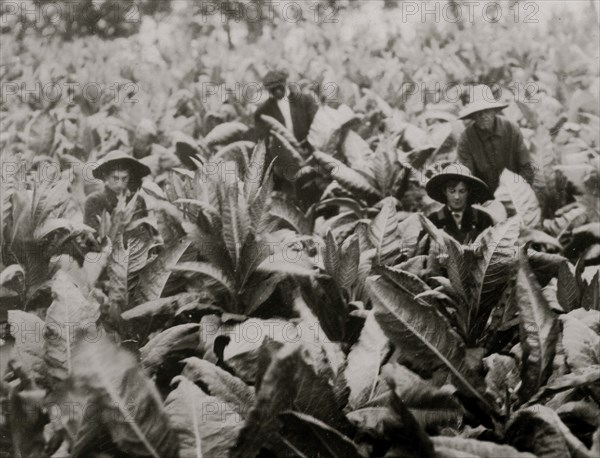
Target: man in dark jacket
(122,175)
(490,142)
(291,108)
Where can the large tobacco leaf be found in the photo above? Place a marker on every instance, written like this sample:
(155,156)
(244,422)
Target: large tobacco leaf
(539,430)
(518,195)
(364,361)
(382,233)
(154,276)
(493,269)
(308,436)
(205,426)
(28,350)
(126,402)
(70,318)
(451,447)
(171,340)
(220,384)
(581,343)
(289,383)
(538,327)
(421,334)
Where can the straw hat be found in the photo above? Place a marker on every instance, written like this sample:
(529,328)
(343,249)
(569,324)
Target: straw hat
(120,159)
(482,99)
(478,190)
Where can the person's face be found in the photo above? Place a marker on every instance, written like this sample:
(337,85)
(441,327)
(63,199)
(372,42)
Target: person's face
(118,180)
(485,119)
(278,91)
(456,196)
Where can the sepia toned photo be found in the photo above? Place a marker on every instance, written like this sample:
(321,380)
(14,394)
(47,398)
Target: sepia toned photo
(299,229)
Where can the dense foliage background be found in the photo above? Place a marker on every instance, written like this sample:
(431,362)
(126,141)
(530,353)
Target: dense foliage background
(148,338)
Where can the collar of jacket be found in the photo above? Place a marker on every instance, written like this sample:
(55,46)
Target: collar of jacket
(469,216)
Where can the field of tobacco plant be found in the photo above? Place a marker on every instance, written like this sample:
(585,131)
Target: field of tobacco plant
(238,320)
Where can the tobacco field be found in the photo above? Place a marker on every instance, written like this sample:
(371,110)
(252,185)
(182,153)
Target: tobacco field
(237,320)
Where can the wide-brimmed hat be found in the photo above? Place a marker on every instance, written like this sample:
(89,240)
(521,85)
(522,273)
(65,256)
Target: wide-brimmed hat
(275,78)
(122,160)
(482,98)
(478,190)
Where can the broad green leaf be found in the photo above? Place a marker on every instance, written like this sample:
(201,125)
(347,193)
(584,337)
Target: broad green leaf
(289,159)
(236,221)
(421,333)
(382,233)
(276,126)
(454,447)
(127,403)
(539,430)
(220,384)
(492,271)
(70,318)
(225,133)
(431,406)
(205,426)
(591,318)
(155,275)
(40,131)
(254,175)
(28,350)
(501,380)
(168,342)
(519,197)
(584,376)
(364,361)
(289,383)
(324,298)
(581,344)
(331,258)
(346,176)
(347,273)
(290,215)
(308,436)
(118,270)
(538,328)
(567,292)
(407,282)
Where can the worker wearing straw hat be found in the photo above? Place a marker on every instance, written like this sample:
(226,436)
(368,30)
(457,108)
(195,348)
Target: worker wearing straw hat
(490,142)
(458,189)
(122,175)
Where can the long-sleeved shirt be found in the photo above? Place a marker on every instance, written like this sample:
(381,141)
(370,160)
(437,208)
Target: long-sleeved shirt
(487,154)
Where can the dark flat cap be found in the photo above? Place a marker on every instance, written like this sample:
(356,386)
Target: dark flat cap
(275,77)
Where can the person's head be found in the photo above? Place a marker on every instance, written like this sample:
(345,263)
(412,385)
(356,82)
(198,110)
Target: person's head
(120,171)
(456,194)
(277,91)
(275,82)
(485,119)
(117,179)
(456,187)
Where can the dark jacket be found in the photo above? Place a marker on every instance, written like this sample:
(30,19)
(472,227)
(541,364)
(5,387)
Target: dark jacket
(302,108)
(106,200)
(488,154)
(474,222)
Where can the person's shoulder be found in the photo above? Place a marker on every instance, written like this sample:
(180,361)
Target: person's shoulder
(507,124)
(483,217)
(436,216)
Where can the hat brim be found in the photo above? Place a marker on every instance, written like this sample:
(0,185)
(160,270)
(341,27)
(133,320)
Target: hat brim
(478,190)
(480,106)
(137,168)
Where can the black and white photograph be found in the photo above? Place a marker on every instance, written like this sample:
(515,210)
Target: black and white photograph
(299,229)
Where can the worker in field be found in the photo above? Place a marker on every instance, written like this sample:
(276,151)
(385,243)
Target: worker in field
(287,105)
(122,176)
(490,143)
(458,190)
